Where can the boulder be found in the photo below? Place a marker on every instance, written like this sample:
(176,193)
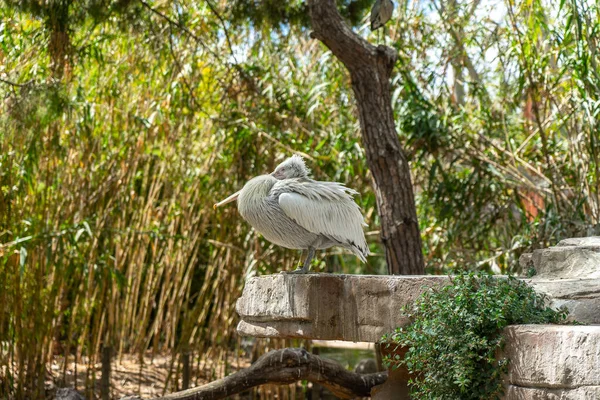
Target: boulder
(522,393)
(68,394)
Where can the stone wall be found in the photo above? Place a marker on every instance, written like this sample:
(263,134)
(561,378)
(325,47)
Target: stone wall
(547,362)
(553,362)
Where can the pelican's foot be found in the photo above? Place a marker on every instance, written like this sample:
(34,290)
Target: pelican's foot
(304,270)
(299,271)
(306,266)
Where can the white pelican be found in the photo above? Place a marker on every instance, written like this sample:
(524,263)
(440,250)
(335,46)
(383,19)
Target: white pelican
(291,210)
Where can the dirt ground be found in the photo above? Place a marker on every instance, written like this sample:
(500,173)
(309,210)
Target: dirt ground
(130,375)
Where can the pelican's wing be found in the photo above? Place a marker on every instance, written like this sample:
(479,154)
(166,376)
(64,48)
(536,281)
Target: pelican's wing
(325,208)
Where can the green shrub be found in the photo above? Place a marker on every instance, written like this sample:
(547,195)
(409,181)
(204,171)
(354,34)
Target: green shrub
(456,332)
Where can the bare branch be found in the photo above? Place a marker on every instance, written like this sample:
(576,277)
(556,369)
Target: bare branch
(181,71)
(287,366)
(227,37)
(16,84)
(181,27)
(458,39)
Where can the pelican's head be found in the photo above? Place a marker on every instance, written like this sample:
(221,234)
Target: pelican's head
(293,167)
(254,190)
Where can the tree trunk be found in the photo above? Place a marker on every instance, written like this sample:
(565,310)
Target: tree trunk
(370,68)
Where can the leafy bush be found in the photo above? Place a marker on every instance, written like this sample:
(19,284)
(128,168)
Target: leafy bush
(456,332)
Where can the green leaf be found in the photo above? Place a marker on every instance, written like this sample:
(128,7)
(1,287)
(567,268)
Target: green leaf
(22,259)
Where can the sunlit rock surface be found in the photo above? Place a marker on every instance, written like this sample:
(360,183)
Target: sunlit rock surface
(553,362)
(570,274)
(358,308)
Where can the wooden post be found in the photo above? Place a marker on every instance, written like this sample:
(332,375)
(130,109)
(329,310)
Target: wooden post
(396,386)
(185,360)
(105,379)
(379,357)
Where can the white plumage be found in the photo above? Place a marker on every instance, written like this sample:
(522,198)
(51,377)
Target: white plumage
(338,218)
(292,210)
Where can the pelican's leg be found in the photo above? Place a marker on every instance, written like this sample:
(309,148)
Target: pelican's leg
(300,260)
(309,257)
(306,267)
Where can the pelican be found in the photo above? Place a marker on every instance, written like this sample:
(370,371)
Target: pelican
(293,211)
(381,13)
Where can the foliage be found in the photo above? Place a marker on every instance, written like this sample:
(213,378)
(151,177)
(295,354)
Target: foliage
(497,103)
(271,14)
(122,121)
(456,332)
(110,166)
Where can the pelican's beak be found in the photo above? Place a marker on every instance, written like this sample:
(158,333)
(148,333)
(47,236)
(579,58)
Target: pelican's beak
(231,198)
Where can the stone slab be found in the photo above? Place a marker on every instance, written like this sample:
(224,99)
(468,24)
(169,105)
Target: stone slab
(571,258)
(570,274)
(546,361)
(582,393)
(553,356)
(580,296)
(589,241)
(358,308)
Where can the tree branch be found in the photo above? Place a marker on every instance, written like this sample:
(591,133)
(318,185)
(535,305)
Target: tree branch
(14,84)
(181,71)
(227,37)
(350,48)
(287,366)
(181,27)
(458,38)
